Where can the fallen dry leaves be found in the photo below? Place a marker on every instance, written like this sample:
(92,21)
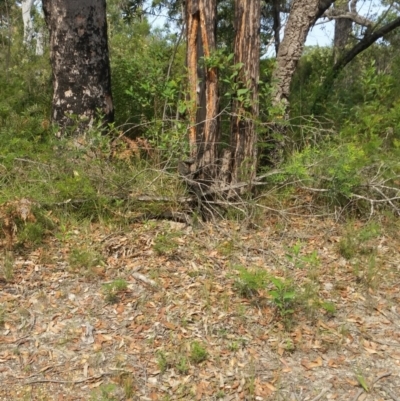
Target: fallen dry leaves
(61,339)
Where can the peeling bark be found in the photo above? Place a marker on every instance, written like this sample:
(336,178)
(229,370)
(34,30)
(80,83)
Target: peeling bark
(245,112)
(203,88)
(80,61)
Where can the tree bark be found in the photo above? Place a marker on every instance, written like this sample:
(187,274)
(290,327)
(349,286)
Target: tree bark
(80,62)
(203,89)
(302,16)
(342,27)
(276,16)
(245,110)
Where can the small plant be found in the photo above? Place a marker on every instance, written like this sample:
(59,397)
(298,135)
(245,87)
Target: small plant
(128,385)
(294,251)
(234,346)
(165,244)
(106,392)
(328,307)
(198,353)
(301,261)
(283,296)
(250,281)
(32,233)
(8,266)
(2,315)
(366,271)
(348,246)
(226,248)
(220,394)
(362,380)
(355,242)
(182,366)
(85,261)
(111,290)
(162,361)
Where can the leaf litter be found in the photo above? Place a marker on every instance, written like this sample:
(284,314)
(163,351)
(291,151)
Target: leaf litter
(180,328)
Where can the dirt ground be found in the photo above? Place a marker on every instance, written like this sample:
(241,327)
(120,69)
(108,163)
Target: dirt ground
(164,311)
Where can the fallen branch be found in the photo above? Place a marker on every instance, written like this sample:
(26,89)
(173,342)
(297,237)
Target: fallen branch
(146,280)
(97,377)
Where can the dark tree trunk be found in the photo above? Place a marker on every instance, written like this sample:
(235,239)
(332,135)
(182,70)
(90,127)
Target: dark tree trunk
(276,16)
(203,89)
(245,110)
(80,61)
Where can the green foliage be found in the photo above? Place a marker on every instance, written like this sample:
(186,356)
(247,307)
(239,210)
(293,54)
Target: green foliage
(250,281)
(106,392)
(111,290)
(183,365)
(283,296)
(33,232)
(165,243)
(84,260)
(198,353)
(2,316)
(162,361)
(7,266)
(148,86)
(299,260)
(354,240)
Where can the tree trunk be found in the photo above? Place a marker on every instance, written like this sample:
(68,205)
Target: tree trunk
(302,15)
(26,6)
(203,89)
(245,107)
(343,27)
(277,25)
(80,62)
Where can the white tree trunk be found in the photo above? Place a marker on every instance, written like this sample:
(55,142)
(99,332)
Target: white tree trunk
(27,20)
(39,43)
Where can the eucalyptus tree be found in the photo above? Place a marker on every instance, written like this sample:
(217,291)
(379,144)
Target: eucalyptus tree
(214,169)
(80,62)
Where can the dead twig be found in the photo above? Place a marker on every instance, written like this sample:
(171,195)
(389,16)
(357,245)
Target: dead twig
(390,392)
(97,377)
(321,394)
(146,280)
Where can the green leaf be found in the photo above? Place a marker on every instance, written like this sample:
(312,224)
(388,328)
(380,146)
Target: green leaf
(363,382)
(241,92)
(288,295)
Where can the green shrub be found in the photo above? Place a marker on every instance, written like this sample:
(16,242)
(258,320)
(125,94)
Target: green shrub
(250,281)
(198,353)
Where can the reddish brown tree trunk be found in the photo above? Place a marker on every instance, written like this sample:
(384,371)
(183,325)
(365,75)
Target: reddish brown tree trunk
(80,61)
(203,88)
(245,110)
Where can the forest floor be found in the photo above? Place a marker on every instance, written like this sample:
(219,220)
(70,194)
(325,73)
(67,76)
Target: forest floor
(293,309)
